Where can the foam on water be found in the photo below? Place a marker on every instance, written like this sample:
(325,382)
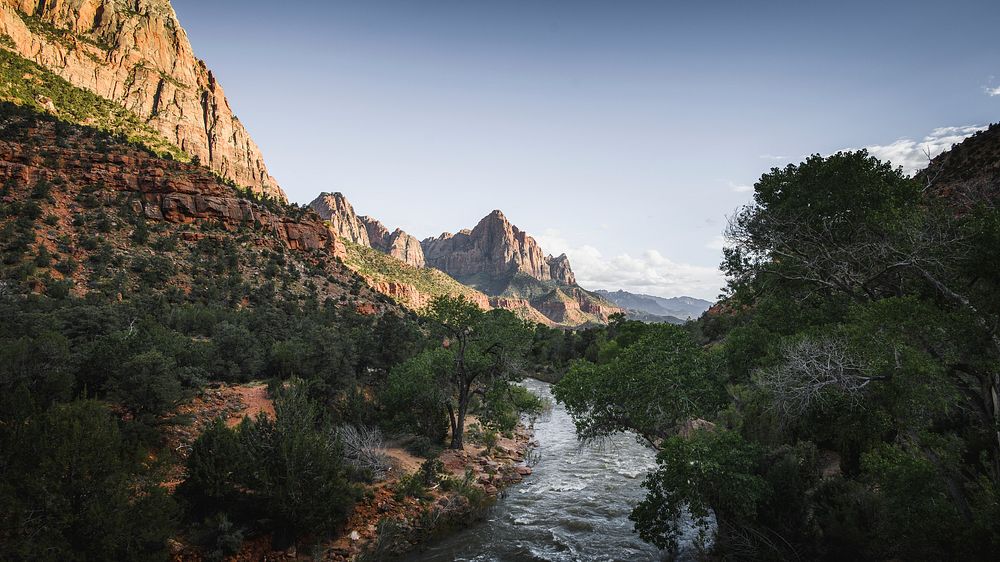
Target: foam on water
(574,506)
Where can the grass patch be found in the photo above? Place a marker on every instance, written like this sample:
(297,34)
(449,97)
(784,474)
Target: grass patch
(379,267)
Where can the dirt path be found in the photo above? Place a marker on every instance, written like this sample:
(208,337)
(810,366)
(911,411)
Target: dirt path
(256,401)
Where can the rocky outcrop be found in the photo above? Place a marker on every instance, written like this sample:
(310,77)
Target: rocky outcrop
(560,270)
(397,243)
(367,231)
(337,210)
(572,306)
(135,53)
(378,234)
(495,248)
(523,308)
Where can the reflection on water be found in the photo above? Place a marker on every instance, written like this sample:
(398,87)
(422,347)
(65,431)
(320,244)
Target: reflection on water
(573,507)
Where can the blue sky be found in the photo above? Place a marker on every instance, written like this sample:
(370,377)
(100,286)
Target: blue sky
(621,132)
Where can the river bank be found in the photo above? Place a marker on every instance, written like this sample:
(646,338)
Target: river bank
(539,494)
(387,526)
(386,522)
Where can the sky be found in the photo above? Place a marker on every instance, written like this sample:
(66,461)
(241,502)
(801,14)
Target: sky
(620,132)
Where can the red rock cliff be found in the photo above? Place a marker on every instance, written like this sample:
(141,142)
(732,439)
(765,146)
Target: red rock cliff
(495,248)
(136,54)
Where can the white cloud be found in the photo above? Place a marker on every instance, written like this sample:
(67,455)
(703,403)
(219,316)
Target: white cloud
(740,187)
(992,92)
(772,157)
(650,272)
(912,154)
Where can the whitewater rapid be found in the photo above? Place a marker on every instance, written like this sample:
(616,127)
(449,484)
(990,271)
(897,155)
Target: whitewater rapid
(573,507)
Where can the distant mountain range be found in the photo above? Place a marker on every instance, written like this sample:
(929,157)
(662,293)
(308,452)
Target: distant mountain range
(649,308)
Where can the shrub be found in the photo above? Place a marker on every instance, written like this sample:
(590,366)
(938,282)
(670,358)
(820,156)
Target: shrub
(364,451)
(286,470)
(70,476)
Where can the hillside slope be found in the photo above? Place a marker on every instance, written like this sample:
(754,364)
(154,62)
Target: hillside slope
(413,287)
(86,213)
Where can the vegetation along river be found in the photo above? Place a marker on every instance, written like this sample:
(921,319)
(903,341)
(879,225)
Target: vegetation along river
(574,506)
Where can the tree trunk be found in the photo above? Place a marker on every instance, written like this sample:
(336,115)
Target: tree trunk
(452,419)
(458,432)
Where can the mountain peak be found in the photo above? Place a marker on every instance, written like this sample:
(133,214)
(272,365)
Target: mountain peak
(366,231)
(495,250)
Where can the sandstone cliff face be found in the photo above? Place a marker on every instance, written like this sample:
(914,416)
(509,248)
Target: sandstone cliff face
(398,244)
(135,53)
(367,231)
(560,270)
(506,263)
(336,209)
(494,248)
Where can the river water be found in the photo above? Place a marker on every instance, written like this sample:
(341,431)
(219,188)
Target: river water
(574,507)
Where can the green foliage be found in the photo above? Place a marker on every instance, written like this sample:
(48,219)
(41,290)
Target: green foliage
(480,350)
(416,485)
(146,383)
(858,351)
(649,387)
(709,471)
(483,436)
(67,472)
(289,470)
(503,404)
(416,396)
(465,486)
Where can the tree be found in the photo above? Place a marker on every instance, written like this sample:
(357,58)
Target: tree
(289,470)
(146,384)
(650,387)
(711,470)
(480,348)
(889,335)
(416,394)
(71,492)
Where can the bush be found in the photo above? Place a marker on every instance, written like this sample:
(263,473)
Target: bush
(414,398)
(364,451)
(146,384)
(70,477)
(287,470)
(483,436)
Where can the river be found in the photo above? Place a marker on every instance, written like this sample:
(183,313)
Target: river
(573,507)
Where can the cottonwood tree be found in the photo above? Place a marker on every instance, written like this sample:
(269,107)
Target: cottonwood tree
(851,227)
(648,388)
(479,349)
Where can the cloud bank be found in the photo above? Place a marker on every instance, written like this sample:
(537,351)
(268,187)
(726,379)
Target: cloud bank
(650,272)
(912,154)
